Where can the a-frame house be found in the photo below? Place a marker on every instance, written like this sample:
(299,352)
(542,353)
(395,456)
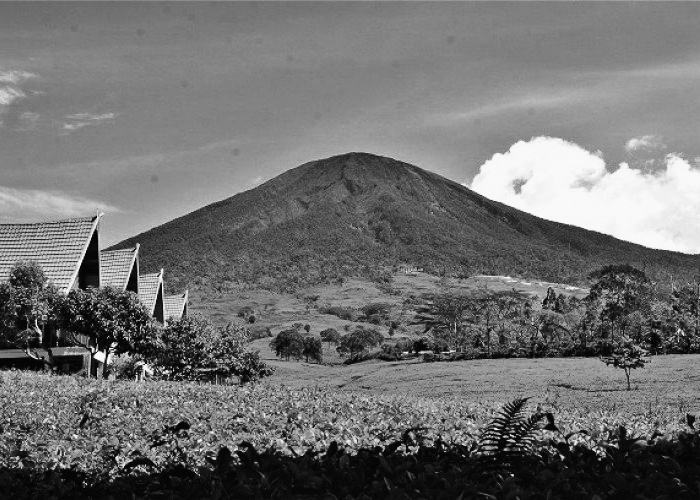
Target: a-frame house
(176,305)
(68,252)
(151,294)
(120,269)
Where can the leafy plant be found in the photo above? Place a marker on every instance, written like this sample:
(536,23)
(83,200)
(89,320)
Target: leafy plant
(508,438)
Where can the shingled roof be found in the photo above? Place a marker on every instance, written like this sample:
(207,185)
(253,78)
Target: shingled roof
(150,286)
(176,305)
(116,266)
(58,247)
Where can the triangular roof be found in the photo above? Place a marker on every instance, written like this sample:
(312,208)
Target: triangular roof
(175,305)
(149,286)
(58,247)
(117,265)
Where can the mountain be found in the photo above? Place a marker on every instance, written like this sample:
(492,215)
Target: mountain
(353,214)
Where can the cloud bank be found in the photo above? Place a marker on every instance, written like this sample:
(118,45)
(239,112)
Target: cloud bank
(558,180)
(22,205)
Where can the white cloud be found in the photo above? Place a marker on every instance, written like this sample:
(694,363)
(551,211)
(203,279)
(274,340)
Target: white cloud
(645,143)
(19,205)
(10,94)
(561,181)
(81,120)
(15,77)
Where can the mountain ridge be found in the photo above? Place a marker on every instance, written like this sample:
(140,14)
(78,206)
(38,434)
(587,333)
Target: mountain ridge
(357,213)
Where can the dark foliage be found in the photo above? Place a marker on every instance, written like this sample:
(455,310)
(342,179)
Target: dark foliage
(359,342)
(547,467)
(288,344)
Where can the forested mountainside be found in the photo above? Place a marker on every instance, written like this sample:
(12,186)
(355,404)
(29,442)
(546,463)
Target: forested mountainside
(357,213)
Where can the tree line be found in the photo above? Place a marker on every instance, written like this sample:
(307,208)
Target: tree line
(622,305)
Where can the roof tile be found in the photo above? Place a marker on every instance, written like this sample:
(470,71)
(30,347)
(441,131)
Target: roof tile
(116,267)
(148,289)
(58,247)
(175,305)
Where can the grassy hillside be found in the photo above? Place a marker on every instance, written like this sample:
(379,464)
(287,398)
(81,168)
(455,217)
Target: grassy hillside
(359,214)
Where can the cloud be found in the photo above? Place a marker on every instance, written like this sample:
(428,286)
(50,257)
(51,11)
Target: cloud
(645,143)
(81,120)
(561,181)
(10,91)
(10,94)
(20,205)
(15,77)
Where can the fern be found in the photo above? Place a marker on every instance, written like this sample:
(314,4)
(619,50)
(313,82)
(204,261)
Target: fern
(506,440)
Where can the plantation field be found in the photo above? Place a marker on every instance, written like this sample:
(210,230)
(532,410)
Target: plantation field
(93,438)
(73,422)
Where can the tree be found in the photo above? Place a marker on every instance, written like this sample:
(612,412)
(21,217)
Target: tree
(618,290)
(685,303)
(358,342)
(28,303)
(492,313)
(313,349)
(288,344)
(109,321)
(192,348)
(330,335)
(444,316)
(627,356)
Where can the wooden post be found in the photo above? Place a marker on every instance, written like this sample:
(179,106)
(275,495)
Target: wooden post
(87,363)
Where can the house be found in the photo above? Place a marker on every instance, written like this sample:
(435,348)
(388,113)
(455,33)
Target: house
(151,294)
(120,269)
(176,305)
(68,251)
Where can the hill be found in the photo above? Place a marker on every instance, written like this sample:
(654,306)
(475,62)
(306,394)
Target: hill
(357,213)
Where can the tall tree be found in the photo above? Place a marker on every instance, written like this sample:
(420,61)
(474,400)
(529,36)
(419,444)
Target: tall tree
(618,291)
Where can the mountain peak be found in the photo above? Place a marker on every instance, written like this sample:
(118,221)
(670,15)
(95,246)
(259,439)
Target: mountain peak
(356,213)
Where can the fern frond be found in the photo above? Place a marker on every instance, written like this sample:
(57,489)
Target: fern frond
(505,441)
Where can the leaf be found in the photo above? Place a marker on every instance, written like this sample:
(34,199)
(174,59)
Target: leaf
(690,420)
(145,461)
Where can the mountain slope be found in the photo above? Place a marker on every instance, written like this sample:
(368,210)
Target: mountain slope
(354,213)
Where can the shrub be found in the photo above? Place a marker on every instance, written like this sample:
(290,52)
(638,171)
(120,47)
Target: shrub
(259,332)
(193,349)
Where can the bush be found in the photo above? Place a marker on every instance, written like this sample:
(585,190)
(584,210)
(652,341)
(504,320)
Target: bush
(341,312)
(193,349)
(259,332)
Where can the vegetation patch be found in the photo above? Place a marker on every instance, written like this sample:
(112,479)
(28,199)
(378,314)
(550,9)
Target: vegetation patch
(68,437)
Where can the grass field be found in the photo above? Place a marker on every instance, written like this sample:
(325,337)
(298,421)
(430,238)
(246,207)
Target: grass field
(667,382)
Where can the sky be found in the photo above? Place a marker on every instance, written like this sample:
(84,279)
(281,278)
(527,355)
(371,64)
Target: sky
(584,113)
